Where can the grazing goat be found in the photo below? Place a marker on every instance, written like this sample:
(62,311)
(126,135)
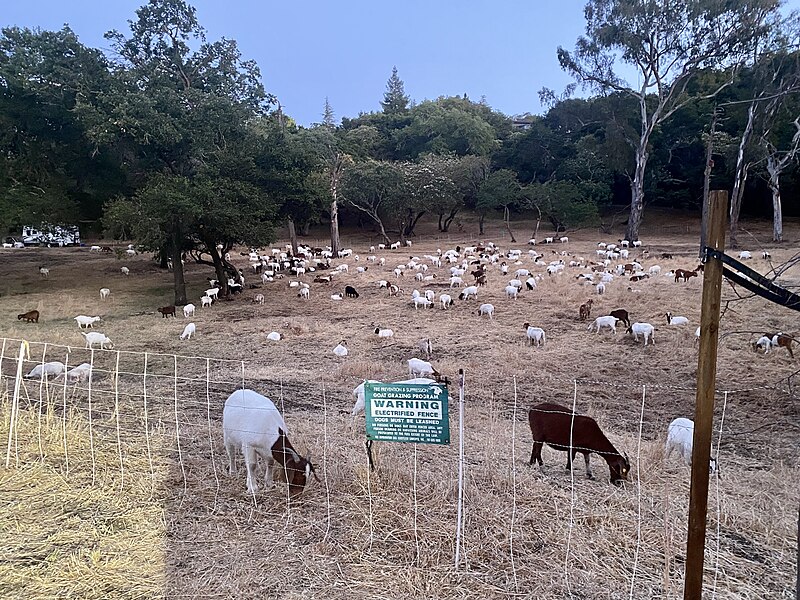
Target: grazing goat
(188,310)
(251,423)
(585,310)
(341,349)
(419,368)
(607,321)
(205,301)
(45,370)
(104,292)
(188,331)
(469,292)
(32,316)
(644,329)
(622,315)
(561,429)
(486,309)
(350,291)
(258,299)
(79,374)
(425,346)
(44,272)
(446,300)
(384,333)
(680,437)
(166,311)
(778,340)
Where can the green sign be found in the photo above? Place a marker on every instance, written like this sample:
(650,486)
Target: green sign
(407,412)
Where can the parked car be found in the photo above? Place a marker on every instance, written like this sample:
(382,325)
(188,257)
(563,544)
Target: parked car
(51,235)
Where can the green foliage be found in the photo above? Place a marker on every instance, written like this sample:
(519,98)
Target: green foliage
(565,203)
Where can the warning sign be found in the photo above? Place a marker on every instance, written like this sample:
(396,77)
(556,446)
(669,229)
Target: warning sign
(407,412)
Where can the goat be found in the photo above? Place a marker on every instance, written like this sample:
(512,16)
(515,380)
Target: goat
(384,333)
(45,370)
(251,423)
(607,321)
(104,292)
(425,346)
(486,309)
(561,429)
(778,340)
(205,301)
(188,331)
(684,274)
(188,310)
(258,299)
(534,335)
(676,320)
(680,437)
(32,316)
(166,311)
(85,322)
(446,300)
(93,338)
(645,329)
(585,310)
(420,368)
(622,315)
(468,292)
(341,349)
(79,374)
(44,272)
(350,291)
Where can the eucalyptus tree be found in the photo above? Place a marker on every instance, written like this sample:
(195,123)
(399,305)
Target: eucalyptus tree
(666,44)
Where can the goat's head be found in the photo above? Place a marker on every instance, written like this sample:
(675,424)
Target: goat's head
(620,467)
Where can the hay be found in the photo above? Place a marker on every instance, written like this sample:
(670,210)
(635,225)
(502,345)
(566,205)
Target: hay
(178,526)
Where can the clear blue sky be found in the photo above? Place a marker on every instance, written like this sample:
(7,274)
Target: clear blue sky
(505,51)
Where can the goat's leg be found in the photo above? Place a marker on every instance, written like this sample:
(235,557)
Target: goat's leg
(231,450)
(588,466)
(250,461)
(536,453)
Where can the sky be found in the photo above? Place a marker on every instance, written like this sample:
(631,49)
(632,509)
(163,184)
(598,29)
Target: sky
(309,50)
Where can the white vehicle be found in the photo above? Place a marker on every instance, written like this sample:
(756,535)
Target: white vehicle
(51,235)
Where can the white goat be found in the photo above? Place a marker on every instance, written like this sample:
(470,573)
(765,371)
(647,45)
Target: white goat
(45,370)
(446,301)
(384,333)
(205,301)
(644,329)
(274,336)
(605,321)
(125,271)
(676,320)
(104,292)
(680,437)
(486,309)
(188,331)
(419,368)
(251,423)
(79,374)
(94,337)
(534,335)
(85,322)
(188,310)
(512,292)
(341,349)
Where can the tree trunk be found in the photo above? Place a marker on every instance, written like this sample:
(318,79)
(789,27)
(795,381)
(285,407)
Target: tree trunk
(382,230)
(163,257)
(292,234)
(740,177)
(177,275)
(707,184)
(441,217)
(449,220)
(480,223)
(219,267)
(538,221)
(305,228)
(506,218)
(777,210)
(335,227)
(637,189)
(414,219)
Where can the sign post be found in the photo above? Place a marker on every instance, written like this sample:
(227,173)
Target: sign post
(407,412)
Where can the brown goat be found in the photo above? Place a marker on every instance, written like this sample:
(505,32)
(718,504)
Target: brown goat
(585,309)
(480,280)
(32,316)
(561,429)
(167,311)
(684,274)
(621,315)
(783,340)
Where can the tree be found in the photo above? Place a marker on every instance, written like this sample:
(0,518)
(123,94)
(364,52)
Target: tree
(667,44)
(51,86)
(370,187)
(395,99)
(328,116)
(182,117)
(500,190)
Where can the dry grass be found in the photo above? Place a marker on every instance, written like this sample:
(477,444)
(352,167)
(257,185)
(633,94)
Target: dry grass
(170,522)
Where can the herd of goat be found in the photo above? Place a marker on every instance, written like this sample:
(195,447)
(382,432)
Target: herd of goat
(252,424)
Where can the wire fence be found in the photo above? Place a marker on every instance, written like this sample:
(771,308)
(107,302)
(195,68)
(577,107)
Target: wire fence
(158,416)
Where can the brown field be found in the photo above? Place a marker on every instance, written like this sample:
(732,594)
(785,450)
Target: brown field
(106,498)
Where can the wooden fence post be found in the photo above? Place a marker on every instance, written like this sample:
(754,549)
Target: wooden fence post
(704,405)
